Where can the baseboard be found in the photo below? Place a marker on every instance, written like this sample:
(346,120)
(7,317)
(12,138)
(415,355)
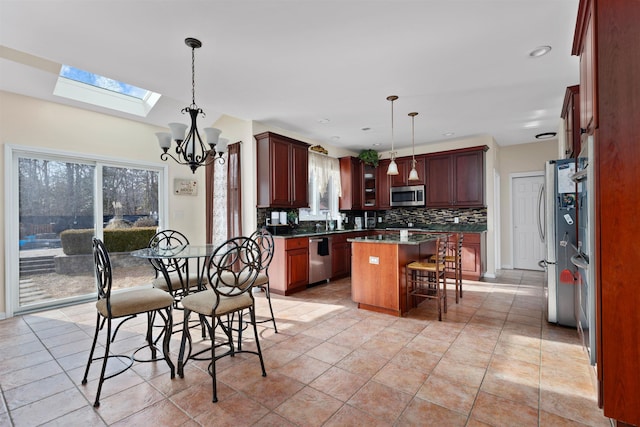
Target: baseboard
(3,315)
(507,267)
(489,275)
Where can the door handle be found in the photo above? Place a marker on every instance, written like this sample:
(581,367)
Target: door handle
(540,205)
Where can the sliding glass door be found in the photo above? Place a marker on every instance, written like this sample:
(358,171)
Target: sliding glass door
(61,204)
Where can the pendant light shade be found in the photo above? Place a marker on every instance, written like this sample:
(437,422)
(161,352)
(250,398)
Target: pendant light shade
(413,175)
(393,167)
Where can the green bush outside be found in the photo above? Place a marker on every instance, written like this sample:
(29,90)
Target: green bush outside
(78,242)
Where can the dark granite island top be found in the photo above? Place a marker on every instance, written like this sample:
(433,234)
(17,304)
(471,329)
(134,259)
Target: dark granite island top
(397,239)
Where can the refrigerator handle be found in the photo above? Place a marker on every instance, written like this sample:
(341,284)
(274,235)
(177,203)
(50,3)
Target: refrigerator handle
(541,215)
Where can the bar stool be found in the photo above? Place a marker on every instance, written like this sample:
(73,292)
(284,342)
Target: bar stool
(453,262)
(429,279)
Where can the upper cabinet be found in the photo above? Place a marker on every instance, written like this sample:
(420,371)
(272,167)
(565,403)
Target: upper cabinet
(384,185)
(456,178)
(351,183)
(282,171)
(571,116)
(584,46)
(370,187)
(404,167)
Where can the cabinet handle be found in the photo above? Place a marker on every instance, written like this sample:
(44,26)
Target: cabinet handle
(582,130)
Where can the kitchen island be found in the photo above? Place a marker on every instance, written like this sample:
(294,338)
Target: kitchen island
(378,280)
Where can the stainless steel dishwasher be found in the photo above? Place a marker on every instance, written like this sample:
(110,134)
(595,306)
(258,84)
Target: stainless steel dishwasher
(319,259)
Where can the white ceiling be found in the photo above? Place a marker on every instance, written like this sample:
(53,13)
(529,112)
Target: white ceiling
(463,65)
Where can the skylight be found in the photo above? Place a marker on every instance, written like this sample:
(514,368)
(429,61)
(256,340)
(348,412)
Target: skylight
(83,86)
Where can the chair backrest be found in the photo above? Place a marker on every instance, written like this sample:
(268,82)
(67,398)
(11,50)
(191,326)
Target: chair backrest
(264,239)
(441,252)
(167,239)
(459,246)
(234,266)
(102,265)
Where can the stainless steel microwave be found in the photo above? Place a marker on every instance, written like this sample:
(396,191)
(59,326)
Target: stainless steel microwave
(412,195)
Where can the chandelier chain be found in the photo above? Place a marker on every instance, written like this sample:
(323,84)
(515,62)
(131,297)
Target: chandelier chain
(193,76)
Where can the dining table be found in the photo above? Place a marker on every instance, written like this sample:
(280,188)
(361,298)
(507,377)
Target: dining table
(171,259)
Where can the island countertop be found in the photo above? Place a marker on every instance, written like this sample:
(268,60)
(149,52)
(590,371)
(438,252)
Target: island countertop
(396,239)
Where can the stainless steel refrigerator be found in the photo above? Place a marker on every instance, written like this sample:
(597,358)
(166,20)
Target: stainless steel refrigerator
(557,226)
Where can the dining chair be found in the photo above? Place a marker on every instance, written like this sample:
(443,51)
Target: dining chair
(124,305)
(231,272)
(428,279)
(264,239)
(172,275)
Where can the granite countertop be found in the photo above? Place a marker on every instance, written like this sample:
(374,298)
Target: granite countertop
(396,239)
(442,228)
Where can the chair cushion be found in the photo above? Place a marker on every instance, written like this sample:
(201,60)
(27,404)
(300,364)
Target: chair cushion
(134,302)
(160,282)
(261,280)
(203,302)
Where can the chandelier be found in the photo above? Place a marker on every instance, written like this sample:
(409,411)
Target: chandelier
(393,167)
(191,150)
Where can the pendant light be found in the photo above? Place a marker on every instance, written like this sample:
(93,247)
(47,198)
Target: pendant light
(413,175)
(393,167)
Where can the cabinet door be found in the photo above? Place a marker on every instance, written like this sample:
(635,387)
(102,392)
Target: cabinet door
(384,185)
(299,176)
(404,168)
(369,178)
(297,267)
(439,175)
(588,119)
(340,259)
(469,179)
(471,257)
(280,173)
(351,184)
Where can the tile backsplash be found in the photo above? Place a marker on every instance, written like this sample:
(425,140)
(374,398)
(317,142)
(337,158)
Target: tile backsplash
(402,216)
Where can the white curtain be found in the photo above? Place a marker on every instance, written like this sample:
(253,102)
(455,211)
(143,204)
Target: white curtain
(220,202)
(323,169)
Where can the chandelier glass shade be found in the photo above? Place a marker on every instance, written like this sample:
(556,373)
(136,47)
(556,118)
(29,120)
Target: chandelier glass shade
(189,149)
(413,175)
(393,166)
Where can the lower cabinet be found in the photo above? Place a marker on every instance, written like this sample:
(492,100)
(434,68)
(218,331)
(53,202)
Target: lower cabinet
(340,256)
(289,269)
(473,253)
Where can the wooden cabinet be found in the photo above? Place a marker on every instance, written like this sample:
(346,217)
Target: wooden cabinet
(289,269)
(571,116)
(340,256)
(606,39)
(351,182)
(282,171)
(384,185)
(404,167)
(456,178)
(369,187)
(473,256)
(359,185)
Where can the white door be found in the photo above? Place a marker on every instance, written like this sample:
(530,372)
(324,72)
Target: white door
(528,249)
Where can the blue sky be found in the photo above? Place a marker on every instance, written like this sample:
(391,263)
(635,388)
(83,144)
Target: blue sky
(102,82)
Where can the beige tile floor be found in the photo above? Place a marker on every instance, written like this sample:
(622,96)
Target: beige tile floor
(493,360)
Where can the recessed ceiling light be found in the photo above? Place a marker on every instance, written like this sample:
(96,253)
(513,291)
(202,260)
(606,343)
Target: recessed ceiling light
(448,134)
(323,121)
(365,129)
(377,144)
(540,51)
(545,135)
(335,138)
